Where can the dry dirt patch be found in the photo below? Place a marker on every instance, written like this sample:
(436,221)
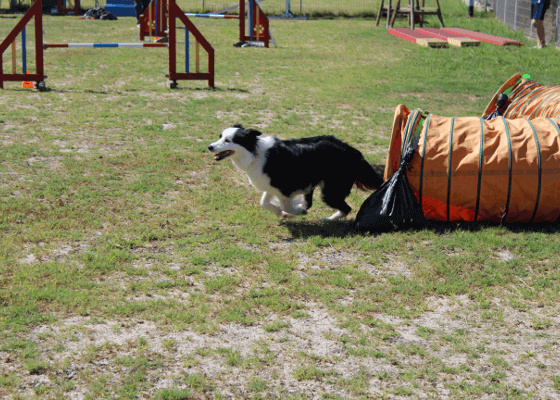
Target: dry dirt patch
(81,349)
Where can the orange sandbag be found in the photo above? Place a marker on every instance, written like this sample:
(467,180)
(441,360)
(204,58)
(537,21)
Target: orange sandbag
(527,99)
(467,169)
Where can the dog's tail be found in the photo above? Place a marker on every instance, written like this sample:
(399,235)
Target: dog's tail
(367,178)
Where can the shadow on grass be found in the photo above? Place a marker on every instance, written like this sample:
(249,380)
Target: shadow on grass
(305,229)
(209,89)
(134,90)
(341,229)
(446,227)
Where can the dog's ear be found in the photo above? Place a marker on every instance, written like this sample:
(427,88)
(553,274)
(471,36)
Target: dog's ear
(252,132)
(237,126)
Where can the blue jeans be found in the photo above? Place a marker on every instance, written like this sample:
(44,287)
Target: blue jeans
(538,10)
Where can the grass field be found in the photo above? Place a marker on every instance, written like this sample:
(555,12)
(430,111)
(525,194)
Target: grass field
(133,266)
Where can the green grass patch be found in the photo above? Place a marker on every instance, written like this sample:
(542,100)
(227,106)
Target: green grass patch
(112,211)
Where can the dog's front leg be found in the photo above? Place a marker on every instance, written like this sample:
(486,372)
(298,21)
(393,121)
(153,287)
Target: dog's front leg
(288,206)
(267,204)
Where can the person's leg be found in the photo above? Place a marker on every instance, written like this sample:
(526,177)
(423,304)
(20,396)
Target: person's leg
(138,9)
(538,12)
(539,28)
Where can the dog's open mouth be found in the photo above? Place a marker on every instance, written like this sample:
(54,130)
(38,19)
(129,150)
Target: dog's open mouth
(223,154)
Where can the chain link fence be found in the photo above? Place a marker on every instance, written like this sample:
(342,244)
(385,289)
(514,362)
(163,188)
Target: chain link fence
(514,13)
(294,7)
(270,7)
(517,15)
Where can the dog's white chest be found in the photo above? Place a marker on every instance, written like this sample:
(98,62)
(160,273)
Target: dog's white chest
(253,166)
(260,181)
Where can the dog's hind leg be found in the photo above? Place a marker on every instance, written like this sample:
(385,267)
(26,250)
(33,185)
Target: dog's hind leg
(335,199)
(266,203)
(309,200)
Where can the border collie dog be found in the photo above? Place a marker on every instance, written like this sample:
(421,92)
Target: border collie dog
(284,169)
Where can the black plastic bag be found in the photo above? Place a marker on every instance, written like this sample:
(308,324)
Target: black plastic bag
(93,13)
(99,13)
(502,100)
(393,205)
(108,16)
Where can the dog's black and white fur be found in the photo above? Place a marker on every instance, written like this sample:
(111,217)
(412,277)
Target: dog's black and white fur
(283,169)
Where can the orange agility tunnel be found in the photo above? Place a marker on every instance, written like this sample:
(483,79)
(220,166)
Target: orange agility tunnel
(525,98)
(471,169)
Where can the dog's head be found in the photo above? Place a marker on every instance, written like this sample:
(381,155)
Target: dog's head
(235,141)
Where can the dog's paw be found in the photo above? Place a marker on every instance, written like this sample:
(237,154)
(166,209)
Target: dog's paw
(336,216)
(298,211)
(299,202)
(286,215)
(275,201)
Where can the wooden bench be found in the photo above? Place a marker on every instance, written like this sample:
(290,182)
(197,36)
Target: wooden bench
(412,10)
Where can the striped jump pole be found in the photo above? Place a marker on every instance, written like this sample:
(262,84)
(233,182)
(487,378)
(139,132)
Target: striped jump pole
(102,45)
(212,16)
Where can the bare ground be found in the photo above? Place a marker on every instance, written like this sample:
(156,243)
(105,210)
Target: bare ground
(494,353)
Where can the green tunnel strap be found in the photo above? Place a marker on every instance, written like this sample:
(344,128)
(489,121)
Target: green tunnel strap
(540,171)
(510,168)
(557,131)
(421,188)
(480,162)
(450,160)
(412,130)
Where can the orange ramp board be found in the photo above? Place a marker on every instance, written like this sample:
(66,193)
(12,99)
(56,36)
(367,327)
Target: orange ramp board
(417,37)
(453,39)
(483,37)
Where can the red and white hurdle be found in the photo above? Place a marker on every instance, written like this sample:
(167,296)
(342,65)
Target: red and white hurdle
(173,13)
(224,16)
(102,45)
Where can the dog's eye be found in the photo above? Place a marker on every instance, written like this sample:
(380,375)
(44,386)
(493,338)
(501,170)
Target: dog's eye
(227,140)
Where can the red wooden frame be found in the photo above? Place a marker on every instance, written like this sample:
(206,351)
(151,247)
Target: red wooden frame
(36,11)
(174,12)
(148,26)
(61,9)
(263,34)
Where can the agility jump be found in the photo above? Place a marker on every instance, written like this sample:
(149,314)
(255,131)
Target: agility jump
(35,11)
(153,26)
(259,29)
(257,22)
(68,6)
(153,21)
(101,45)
